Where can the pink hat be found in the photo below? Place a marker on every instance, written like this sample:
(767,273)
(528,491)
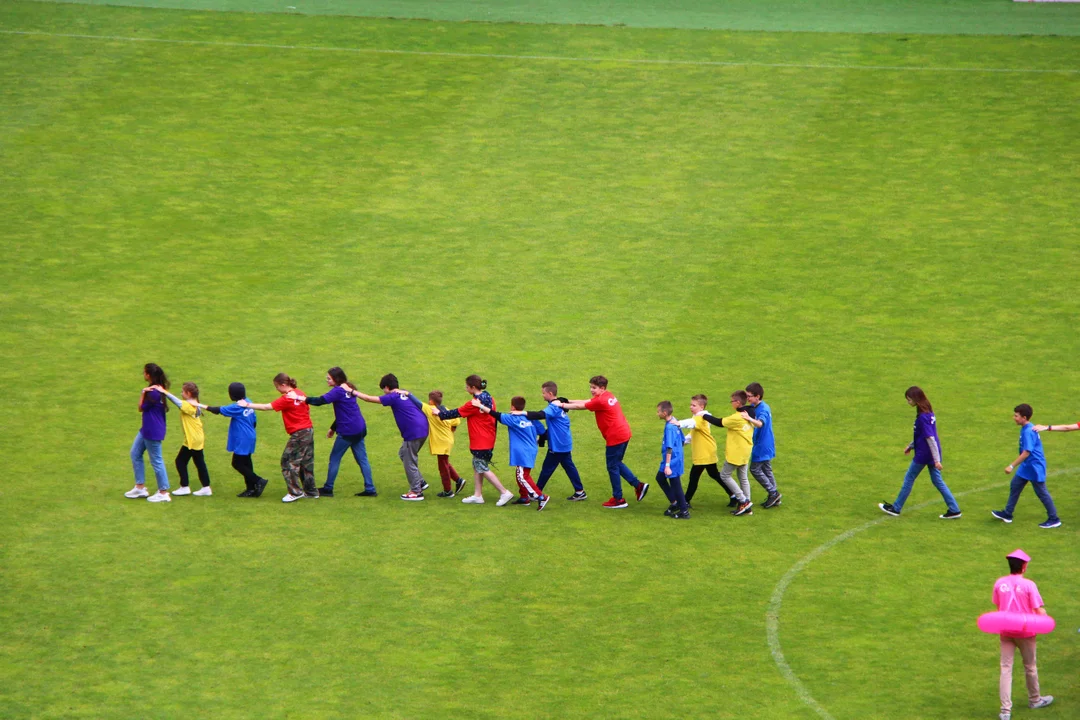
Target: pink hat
(1019,555)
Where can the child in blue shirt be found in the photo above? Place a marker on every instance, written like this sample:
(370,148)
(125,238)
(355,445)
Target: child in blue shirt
(1030,467)
(241,442)
(764,451)
(671,463)
(560,442)
(523,446)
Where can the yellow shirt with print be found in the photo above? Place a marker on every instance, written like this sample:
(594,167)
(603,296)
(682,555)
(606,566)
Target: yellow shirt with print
(440,432)
(192,424)
(702,443)
(740,439)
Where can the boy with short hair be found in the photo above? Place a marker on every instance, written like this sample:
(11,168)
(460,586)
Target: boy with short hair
(612,424)
(412,424)
(764,451)
(671,463)
(523,446)
(737,448)
(560,442)
(1030,467)
(1015,593)
(703,450)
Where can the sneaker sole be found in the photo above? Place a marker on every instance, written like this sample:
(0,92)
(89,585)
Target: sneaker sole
(951,517)
(617,507)
(415,499)
(890,513)
(1004,520)
(1050,527)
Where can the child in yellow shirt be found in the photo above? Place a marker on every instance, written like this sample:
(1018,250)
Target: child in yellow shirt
(194,440)
(737,449)
(441,442)
(703,449)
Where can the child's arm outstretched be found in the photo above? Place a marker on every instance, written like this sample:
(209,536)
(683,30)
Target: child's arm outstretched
(1057,428)
(254,406)
(571,404)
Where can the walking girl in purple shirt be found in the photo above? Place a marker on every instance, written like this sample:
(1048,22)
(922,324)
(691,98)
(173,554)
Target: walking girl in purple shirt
(927,449)
(153,407)
(350,428)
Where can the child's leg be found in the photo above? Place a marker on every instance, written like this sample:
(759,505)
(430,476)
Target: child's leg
(153,449)
(661,480)
(181,463)
(290,466)
(1031,672)
(695,475)
(624,470)
(613,455)
(939,483)
(137,465)
(444,471)
(200,466)
(1048,502)
(411,463)
(727,482)
(494,480)
(1005,683)
(307,461)
(1015,488)
(479,468)
(242,464)
(567,461)
(744,481)
(359,451)
(909,481)
(525,482)
(551,462)
(762,472)
(714,473)
(453,471)
(677,492)
(333,465)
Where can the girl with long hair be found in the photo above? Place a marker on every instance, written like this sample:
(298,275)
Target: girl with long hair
(148,440)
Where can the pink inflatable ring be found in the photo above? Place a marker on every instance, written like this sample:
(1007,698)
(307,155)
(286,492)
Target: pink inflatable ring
(1014,623)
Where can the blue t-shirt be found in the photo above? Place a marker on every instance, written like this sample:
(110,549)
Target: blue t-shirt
(558,423)
(411,421)
(673,441)
(764,442)
(1034,468)
(523,445)
(241,429)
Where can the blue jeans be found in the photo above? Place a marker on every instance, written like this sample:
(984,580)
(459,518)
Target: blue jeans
(153,449)
(551,463)
(341,444)
(1017,486)
(617,469)
(935,477)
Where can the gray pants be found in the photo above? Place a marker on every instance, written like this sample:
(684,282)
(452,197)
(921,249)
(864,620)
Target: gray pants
(741,494)
(762,472)
(408,453)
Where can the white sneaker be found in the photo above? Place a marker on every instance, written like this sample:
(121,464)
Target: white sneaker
(203,492)
(159,497)
(289,497)
(1041,702)
(504,498)
(472,500)
(136,492)
(182,490)
(1005,716)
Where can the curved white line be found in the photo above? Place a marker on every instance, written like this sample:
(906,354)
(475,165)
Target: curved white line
(547,58)
(772,614)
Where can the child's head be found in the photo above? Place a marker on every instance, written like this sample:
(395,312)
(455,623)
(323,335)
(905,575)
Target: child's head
(1018,560)
(389,382)
(336,376)
(154,375)
(435,397)
(738,398)
(475,384)
(550,390)
(517,402)
(698,403)
(664,409)
(283,383)
(597,384)
(237,391)
(755,393)
(190,391)
(917,398)
(1022,414)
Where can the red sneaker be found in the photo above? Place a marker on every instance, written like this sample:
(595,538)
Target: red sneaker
(640,491)
(615,503)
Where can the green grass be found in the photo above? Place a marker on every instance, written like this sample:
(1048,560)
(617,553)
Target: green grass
(231,212)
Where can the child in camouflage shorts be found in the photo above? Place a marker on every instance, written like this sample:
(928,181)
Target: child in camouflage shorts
(298,458)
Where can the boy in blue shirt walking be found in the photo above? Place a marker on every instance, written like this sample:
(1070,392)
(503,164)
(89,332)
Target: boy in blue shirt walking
(1030,467)
(241,442)
(523,446)
(560,443)
(672,463)
(764,451)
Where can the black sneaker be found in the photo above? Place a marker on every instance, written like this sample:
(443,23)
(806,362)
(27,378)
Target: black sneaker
(733,503)
(367,493)
(259,487)
(325,492)
(312,496)
(444,493)
(542,501)
(246,493)
(672,509)
(520,501)
(1000,515)
(458,484)
(682,515)
(425,486)
(772,501)
(951,515)
(888,509)
(578,496)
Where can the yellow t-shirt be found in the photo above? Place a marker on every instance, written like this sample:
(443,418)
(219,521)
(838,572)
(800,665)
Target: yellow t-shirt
(702,443)
(193,430)
(440,432)
(740,439)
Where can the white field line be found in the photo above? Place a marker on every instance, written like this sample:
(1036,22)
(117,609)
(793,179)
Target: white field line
(543,58)
(772,614)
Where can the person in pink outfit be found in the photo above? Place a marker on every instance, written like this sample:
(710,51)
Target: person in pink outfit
(1015,593)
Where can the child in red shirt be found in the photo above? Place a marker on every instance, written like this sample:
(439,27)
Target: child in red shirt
(482,431)
(298,458)
(612,424)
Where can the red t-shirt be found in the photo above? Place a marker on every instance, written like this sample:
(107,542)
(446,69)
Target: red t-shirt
(610,418)
(482,427)
(295,413)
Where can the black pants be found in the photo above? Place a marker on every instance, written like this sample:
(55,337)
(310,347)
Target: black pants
(242,464)
(672,487)
(695,474)
(182,458)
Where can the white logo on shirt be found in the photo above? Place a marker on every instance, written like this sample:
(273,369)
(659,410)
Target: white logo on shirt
(612,401)
(1004,587)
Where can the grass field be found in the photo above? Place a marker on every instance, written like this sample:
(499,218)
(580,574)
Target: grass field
(230,205)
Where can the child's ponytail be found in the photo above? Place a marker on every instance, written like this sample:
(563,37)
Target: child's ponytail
(283,379)
(475,381)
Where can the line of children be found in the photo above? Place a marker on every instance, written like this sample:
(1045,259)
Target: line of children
(298,458)
(523,446)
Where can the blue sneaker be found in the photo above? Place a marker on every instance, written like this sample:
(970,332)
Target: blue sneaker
(1050,524)
(1000,515)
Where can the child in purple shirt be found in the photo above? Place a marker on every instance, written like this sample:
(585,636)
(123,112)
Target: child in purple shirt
(927,449)
(148,440)
(413,426)
(350,428)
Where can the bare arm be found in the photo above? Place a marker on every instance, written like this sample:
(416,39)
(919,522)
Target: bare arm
(753,421)
(1057,428)
(255,406)
(667,463)
(1023,456)
(367,398)
(572,404)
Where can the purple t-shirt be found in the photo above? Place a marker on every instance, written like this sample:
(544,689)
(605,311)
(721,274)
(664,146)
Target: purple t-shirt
(153,416)
(925,427)
(411,421)
(347,417)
